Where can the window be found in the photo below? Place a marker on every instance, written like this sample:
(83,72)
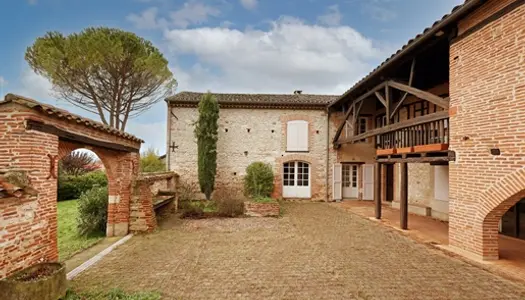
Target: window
(354,176)
(296,180)
(302,174)
(289,174)
(362,126)
(297,136)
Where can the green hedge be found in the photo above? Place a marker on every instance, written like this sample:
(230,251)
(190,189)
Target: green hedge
(258,181)
(71,187)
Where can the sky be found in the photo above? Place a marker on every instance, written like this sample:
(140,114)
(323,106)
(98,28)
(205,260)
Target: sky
(237,46)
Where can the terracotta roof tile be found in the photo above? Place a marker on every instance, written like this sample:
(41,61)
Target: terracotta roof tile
(294,100)
(64,114)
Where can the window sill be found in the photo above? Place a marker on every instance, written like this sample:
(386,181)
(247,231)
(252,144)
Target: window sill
(297,151)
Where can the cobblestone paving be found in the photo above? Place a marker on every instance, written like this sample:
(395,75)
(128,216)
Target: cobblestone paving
(314,252)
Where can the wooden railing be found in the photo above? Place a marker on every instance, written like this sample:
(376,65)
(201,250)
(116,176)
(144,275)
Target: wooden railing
(433,132)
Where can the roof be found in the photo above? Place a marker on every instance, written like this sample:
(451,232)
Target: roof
(456,14)
(265,100)
(56,112)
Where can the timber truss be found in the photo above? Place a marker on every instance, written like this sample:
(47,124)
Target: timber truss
(385,98)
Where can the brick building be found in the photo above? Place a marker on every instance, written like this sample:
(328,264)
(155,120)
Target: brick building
(437,129)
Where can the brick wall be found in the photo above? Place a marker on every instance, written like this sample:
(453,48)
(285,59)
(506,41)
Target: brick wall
(28,225)
(487,87)
(145,189)
(237,147)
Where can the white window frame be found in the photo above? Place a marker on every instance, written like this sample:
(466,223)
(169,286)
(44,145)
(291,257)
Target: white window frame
(297,138)
(296,190)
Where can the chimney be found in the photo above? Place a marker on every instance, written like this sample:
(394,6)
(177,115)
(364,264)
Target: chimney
(297,92)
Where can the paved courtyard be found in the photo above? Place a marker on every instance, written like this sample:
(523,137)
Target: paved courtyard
(314,252)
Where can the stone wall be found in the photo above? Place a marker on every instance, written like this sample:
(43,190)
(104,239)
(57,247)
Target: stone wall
(487,89)
(246,136)
(28,225)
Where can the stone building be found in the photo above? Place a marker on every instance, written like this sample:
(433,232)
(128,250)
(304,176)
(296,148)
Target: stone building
(290,132)
(437,129)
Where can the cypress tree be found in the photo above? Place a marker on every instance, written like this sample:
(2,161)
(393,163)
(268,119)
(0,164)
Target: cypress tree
(206,132)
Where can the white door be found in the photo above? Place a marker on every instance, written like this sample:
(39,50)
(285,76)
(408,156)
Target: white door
(337,182)
(368,182)
(350,189)
(296,180)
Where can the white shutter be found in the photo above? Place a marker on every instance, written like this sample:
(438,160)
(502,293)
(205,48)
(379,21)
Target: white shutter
(297,136)
(337,182)
(302,136)
(368,182)
(291,136)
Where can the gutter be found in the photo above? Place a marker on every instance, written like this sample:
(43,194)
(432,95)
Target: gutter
(453,17)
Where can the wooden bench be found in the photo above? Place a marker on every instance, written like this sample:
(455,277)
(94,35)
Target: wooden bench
(163,198)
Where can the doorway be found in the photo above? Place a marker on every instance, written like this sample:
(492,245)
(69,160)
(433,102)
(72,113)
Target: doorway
(350,180)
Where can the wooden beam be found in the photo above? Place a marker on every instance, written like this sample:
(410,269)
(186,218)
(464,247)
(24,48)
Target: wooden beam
(360,98)
(410,83)
(377,190)
(381,99)
(435,160)
(388,100)
(441,102)
(77,138)
(403,211)
(340,129)
(396,126)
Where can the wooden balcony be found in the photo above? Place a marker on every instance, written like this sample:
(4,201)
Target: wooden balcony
(426,137)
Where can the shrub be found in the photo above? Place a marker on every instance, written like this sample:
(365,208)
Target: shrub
(192,209)
(258,181)
(71,187)
(150,162)
(77,163)
(228,203)
(93,211)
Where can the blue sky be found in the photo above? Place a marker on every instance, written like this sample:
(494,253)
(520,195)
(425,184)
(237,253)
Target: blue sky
(263,46)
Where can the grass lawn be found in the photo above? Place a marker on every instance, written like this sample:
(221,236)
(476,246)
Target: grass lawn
(69,242)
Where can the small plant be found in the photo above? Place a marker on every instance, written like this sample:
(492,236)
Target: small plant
(229,203)
(258,181)
(93,211)
(115,294)
(187,191)
(264,200)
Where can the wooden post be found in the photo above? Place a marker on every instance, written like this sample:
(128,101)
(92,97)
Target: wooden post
(403,212)
(377,190)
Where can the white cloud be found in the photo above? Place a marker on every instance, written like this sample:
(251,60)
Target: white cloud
(332,17)
(290,55)
(249,4)
(193,12)
(147,19)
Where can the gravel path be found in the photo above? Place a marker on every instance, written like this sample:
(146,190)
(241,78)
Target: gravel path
(314,252)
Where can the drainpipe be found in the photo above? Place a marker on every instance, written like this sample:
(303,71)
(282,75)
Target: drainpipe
(327,153)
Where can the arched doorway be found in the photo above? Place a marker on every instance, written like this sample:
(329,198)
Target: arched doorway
(297,180)
(82,202)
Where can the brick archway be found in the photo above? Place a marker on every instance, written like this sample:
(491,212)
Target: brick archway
(33,137)
(496,201)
